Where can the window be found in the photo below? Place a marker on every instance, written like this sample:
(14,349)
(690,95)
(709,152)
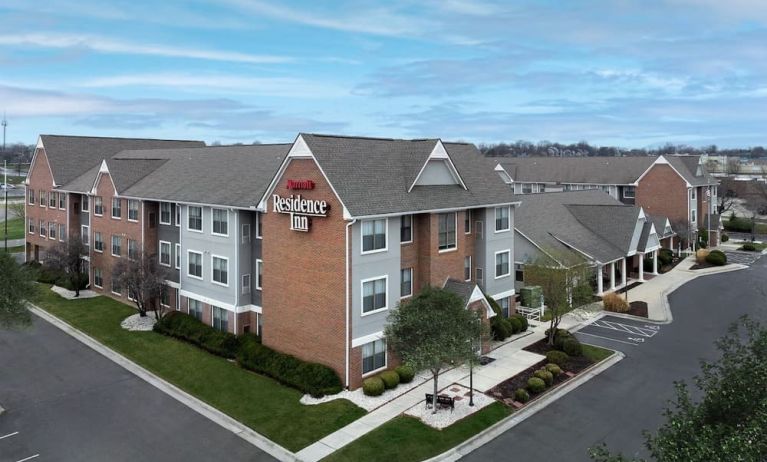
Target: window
(467,222)
(195,308)
(85,234)
(116,286)
(165,213)
(504,304)
(629,191)
(373,235)
(116,246)
(245,233)
(692,218)
(220,319)
(447,227)
(53,199)
(406,229)
(132,210)
(98,242)
(373,356)
(406,282)
(501,219)
(195,264)
(479,274)
(84,205)
(502,263)
(527,188)
(43,198)
(178,256)
(165,296)
(178,215)
(220,222)
(31,196)
(259,274)
(259,226)
(62,232)
(165,253)
(98,206)
(195,218)
(62,201)
(52,230)
(31,226)
(246,284)
(98,279)
(374,295)
(480,229)
(692,193)
(220,270)
(116,207)
(43,228)
(132,249)
(519,272)
(467,268)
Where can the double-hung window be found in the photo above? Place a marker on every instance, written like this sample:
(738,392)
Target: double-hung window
(505,306)
(374,295)
(62,200)
(31,196)
(165,296)
(195,308)
(467,268)
(502,219)
(98,206)
(373,235)
(84,205)
(43,198)
(406,282)
(52,230)
(245,233)
(53,199)
(62,232)
(220,270)
(195,218)
(630,191)
(132,249)
(259,274)
(406,229)
(502,264)
(44,228)
(220,319)
(220,222)
(98,279)
(31,226)
(116,286)
(98,241)
(117,209)
(373,356)
(447,240)
(178,256)
(259,226)
(178,215)
(165,213)
(195,264)
(165,253)
(132,210)
(85,234)
(246,284)
(116,245)
(467,222)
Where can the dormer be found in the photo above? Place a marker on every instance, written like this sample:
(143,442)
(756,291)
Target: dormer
(438,169)
(503,174)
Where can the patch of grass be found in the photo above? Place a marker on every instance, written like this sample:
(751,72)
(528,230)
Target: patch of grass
(257,401)
(16,249)
(408,439)
(15,228)
(758,245)
(595,353)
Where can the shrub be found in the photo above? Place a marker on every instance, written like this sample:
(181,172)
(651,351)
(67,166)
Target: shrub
(500,328)
(725,237)
(516,324)
(572,347)
(521,395)
(716,258)
(390,379)
(523,320)
(665,256)
(190,329)
(554,369)
(557,357)
(748,246)
(615,303)
(405,372)
(535,385)
(700,256)
(545,375)
(373,386)
(312,378)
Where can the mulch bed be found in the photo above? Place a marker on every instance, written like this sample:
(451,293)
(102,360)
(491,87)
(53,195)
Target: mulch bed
(698,266)
(574,365)
(628,287)
(638,308)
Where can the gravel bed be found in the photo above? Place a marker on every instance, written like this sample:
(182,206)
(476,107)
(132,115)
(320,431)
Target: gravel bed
(370,403)
(137,323)
(70,294)
(445,417)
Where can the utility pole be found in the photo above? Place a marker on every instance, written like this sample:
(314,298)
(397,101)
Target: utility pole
(4,124)
(5,172)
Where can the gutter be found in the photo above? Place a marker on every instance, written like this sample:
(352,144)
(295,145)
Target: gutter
(347,253)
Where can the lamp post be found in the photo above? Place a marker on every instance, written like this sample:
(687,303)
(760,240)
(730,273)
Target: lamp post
(471,368)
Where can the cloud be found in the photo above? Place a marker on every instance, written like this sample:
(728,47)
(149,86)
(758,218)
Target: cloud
(107,45)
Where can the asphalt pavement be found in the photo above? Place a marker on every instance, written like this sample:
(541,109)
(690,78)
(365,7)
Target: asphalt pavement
(65,402)
(618,404)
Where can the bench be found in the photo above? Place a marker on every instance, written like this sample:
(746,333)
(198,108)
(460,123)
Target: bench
(443,401)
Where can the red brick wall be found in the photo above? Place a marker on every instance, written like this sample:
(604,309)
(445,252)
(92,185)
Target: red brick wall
(303,280)
(40,179)
(435,266)
(663,192)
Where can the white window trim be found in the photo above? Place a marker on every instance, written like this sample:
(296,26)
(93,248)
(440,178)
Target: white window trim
(495,263)
(85,230)
(259,263)
(246,237)
(138,210)
(212,256)
(476,276)
(95,249)
(202,219)
(467,212)
(495,215)
(170,212)
(249,286)
(202,265)
(402,297)
(112,208)
(464,267)
(386,237)
(213,233)
(83,208)
(632,196)
(163,304)
(43,228)
(453,249)
(31,229)
(170,253)
(177,215)
(61,235)
(259,231)
(412,229)
(177,261)
(362,295)
(102,206)
(112,245)
(30,196)
(386,358)
(94,279)
(62,194)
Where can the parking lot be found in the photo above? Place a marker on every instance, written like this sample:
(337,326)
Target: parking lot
(13,449)
(744,258)
(619,330)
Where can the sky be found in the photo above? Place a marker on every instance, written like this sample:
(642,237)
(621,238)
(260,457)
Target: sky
(611,72)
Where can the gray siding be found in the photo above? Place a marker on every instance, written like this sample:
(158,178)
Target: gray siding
(249,252)
(494,242)
(436,172)
(85,217)
(170,233)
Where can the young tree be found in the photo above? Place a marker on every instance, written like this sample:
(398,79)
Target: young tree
(434,329)
(729,421)
(144,279)
(68,257)
(16,287)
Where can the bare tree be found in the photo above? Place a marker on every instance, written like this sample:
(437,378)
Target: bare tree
(725,201)
(68,258)
(733,166)
(144,279)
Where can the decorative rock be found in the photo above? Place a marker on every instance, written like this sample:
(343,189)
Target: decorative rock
(137,323)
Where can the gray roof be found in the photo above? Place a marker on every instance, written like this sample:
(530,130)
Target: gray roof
(372,175)
(692,171)
(613,222)
(461,288)
(70,156)
(660,225)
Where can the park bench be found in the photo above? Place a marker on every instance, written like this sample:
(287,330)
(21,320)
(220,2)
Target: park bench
(443,401)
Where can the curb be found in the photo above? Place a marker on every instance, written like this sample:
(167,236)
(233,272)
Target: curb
(202,408)
(515,419)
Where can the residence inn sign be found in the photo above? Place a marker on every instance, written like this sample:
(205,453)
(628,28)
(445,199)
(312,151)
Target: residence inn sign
(300,209)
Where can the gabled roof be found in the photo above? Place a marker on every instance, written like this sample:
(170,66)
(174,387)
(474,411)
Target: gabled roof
(660,223)
(649,240)
(613,222)
(372,176)
(71,156)
(469,292)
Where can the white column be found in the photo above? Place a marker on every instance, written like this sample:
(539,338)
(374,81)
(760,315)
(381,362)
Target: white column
(655,262)
(641,266)
(600,289)
(623,271)
(612,275)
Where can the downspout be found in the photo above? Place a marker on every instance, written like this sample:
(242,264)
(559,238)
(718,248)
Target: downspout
(236,266)
(347,251)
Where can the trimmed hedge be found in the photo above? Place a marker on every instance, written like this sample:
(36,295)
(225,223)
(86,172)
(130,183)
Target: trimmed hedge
(501,328)
(572,347)
(192,330)
(523,320)
(665,256)
(748,246)
(536,385)
(373,386)
(725,237)
(557,357)
(390,379)
(405,372)
(545,375)
(516,324)
(521,395)
(554,369)
(716,258)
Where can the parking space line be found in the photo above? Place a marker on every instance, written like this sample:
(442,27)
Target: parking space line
(28,458)
(606,338)
(634,330)
(8,435)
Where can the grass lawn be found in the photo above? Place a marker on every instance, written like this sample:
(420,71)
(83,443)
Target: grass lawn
(595,353)
(17,249)
(759,246)
(15,228)
(259,402)
(407,439)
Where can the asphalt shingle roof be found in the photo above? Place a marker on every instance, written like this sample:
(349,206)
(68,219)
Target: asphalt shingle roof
(613,222)
(461,288)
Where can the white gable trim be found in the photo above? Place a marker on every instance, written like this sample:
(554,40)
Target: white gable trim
(504,174)
(653,232)
(103,169)
(661,160)
(439,152)
(477,295)
(39,146)
(539,247)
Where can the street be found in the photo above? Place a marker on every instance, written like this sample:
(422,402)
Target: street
(618,404)
(65,402)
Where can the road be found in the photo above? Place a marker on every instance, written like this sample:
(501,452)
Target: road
(629,397)
(65,402)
